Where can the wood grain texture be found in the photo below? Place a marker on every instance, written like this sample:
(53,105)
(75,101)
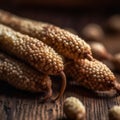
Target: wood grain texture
(21,105)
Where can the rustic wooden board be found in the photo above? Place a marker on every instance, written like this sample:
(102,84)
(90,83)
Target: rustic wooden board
(20,105)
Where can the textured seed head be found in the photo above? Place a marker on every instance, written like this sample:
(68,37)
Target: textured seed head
(22,76)
(31,50)
(114,113)
(74,109)
(91,74)
(65,43)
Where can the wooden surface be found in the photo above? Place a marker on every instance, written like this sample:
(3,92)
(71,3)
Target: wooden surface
(20,105)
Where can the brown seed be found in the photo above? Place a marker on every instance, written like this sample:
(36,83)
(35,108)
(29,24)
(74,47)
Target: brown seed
(92,32)
(114,113)
(23,76)
(74,109)
(64,42)
(93,75)
(99,51)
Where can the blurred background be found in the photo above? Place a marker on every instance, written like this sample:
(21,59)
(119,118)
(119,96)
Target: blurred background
(63,12)
(63,3)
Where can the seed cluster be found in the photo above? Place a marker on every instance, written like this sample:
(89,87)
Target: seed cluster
(74,109)
(65,43)
(91,74)
(22,76)
(31,50)
(42,53)
(34,52)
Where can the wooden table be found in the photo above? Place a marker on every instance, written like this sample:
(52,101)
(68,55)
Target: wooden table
(20,105)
